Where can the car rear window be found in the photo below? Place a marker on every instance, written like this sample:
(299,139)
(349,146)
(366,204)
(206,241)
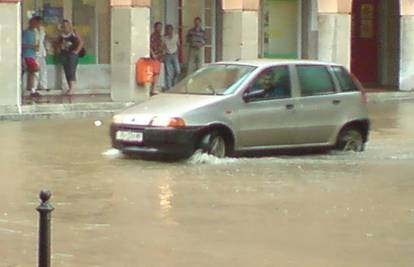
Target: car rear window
(315,80)
(345,80)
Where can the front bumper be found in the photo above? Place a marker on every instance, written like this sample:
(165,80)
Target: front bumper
(180,142)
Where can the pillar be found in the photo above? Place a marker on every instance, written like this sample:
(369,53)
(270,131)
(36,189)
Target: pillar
(130,29)
(10,51)
(334,37)
(240,29)
(407,46)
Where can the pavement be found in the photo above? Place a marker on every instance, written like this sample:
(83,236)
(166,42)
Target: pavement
(101,105)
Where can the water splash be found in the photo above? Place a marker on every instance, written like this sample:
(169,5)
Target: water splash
(200,157)
(112,153)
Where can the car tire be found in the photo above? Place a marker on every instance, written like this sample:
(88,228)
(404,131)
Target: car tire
(214,144)
(350,139)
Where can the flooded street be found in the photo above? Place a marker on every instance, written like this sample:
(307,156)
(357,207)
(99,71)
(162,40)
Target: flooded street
(330,209)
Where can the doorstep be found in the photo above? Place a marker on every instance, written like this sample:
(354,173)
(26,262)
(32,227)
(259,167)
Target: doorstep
(67,110)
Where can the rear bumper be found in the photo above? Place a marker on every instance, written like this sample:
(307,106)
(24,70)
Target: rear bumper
(180,142)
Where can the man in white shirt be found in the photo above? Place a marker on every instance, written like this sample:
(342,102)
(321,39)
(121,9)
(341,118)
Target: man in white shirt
(41,54)
(172,64)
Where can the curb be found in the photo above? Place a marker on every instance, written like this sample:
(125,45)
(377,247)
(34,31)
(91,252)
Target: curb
(376,97)
(107,109)
(64,111)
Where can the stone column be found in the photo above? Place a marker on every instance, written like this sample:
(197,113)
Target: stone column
(10,51)
(334,24)
(407,46)
(240,29)
(130,41)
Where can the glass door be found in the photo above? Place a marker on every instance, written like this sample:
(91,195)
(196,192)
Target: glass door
(209,21)
(281,29)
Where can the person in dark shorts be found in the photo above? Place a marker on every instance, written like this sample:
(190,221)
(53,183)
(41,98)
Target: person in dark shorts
(70,43)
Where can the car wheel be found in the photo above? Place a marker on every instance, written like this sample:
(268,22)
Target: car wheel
(214,144)
(351,140)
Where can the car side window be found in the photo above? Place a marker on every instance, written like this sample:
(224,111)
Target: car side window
(315,80)
(345,80)
(274,83)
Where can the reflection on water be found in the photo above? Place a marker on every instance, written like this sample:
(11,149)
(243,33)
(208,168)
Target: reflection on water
(166,196)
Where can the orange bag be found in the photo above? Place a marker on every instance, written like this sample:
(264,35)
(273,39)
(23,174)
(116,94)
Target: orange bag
(146,69)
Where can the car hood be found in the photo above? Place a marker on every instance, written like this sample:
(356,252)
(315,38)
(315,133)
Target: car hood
(170,105)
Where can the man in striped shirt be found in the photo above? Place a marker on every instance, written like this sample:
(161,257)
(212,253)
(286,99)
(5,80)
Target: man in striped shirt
(196,39)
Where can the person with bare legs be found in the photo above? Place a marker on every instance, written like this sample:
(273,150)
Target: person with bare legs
(29,50)
(70,43)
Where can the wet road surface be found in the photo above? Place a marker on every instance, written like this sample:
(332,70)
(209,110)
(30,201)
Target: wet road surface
(313,210)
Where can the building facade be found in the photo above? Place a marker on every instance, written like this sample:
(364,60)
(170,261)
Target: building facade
(374,38)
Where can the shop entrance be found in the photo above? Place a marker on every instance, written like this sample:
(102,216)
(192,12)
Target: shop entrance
(91,19)
(281,28)
(376,42)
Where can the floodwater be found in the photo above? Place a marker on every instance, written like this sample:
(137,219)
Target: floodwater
(330,209)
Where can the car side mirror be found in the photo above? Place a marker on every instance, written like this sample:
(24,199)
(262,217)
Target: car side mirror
(248,96)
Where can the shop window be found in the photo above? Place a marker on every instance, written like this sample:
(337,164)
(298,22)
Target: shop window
(91,19)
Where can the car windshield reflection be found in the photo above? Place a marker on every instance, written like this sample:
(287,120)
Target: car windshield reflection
(216,79)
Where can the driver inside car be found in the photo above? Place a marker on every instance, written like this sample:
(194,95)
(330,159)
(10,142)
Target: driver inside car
(273,84)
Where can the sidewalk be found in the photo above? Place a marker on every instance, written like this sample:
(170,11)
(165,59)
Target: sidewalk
(48,107)
(101,106)
(381,95)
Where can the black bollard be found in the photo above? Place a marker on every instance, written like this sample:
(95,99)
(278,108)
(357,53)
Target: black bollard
(45,213)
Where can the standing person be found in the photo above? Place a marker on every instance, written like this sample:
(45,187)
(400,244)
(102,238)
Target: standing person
(41,54)
(70,44)
(196,39)
(29,49)
(157,53)
(172,64)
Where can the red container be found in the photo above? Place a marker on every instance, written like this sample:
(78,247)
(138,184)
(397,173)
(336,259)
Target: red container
(146,69)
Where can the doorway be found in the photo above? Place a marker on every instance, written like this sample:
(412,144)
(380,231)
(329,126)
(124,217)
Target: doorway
(376,42)
(91,19)
(281,26)
(181,14)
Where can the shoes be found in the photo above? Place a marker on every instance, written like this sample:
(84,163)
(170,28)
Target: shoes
(35,94)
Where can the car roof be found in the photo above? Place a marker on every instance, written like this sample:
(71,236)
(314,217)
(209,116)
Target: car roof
(273,62)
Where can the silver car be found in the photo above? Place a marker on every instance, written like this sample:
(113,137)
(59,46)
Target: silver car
(232,107)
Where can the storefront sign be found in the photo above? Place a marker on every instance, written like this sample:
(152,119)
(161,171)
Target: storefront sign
(52,15)
(367,21)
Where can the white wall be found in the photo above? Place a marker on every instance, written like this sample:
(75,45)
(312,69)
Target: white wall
(130,41)
(10,51)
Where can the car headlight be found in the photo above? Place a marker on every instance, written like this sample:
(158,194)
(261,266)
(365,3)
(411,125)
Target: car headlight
(167,122)
(117,119)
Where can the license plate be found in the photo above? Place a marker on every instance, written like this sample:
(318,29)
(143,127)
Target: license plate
(129,136)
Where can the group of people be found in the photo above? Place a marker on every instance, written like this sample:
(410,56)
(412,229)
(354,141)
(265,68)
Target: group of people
(165,49)
(68,46)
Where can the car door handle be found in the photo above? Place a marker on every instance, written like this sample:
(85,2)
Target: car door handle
(336,102)
(290,106)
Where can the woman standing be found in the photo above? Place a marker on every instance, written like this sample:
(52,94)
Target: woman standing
(71,45)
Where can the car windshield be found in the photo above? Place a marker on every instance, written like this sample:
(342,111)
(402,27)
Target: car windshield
(215,79)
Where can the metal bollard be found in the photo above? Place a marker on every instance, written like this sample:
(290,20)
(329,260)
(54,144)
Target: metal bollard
(45,213)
